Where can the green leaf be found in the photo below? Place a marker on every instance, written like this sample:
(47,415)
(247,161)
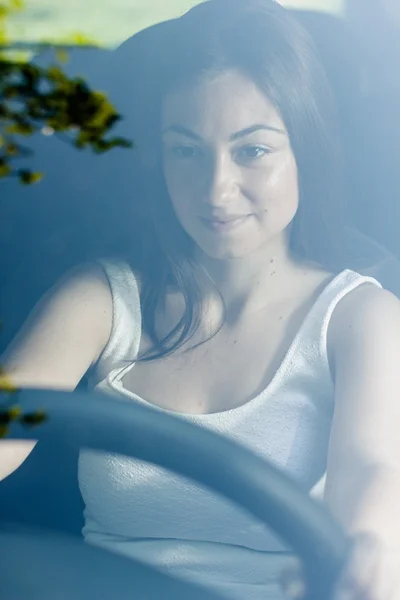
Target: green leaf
(28,177)
(33,419)
(19,129)
(3,430)
(62,55)
(5,170)
(11,149)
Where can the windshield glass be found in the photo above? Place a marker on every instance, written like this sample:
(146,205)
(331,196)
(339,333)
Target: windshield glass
(192,196)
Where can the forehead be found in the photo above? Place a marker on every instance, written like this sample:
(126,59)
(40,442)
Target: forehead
(230,101)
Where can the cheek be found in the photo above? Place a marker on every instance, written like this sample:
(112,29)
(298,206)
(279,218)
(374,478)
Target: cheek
(278,189)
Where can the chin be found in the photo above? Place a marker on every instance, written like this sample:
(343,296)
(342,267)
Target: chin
(226,252)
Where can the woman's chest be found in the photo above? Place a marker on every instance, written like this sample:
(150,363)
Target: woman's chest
(224,372)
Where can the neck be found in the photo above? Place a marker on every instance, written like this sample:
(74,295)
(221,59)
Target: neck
(252,281)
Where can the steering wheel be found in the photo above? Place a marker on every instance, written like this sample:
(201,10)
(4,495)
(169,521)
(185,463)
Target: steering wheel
(49,566)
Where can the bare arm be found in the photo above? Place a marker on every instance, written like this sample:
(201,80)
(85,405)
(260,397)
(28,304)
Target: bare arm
(363,477)
(365,440)
(62,338)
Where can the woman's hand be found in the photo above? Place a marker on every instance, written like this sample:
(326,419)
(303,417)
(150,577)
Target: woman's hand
(372,573)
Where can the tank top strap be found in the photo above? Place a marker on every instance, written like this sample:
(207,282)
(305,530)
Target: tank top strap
(313,335)
(306,361)
(124,341)
(310,342)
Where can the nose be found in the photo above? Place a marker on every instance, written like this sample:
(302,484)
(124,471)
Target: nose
(222,183)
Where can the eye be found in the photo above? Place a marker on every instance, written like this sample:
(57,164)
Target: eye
(185,152)
(249,153)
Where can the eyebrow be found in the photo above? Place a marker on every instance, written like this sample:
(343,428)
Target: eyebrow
(235,136)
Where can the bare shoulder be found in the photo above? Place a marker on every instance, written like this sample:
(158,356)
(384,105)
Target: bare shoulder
(64,334)
(83,296)
(367,317)
(83,290)
(83,281)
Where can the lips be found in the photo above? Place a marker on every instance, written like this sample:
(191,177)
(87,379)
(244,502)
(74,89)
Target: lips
(222,224)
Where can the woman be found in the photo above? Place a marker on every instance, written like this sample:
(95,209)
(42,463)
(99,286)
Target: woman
(241,316)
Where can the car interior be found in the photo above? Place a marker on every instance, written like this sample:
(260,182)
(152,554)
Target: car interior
(48,228)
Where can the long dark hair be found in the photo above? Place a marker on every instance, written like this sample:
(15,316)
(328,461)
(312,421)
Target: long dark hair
(262,40)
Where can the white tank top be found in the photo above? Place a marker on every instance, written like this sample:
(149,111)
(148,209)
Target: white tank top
(148,513)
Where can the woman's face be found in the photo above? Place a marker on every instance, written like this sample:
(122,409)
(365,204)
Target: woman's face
(229,167)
